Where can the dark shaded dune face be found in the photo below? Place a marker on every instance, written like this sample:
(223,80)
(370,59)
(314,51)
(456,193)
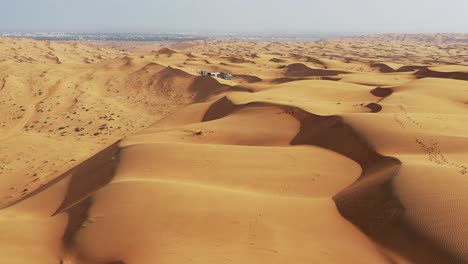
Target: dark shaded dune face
(410,68)
(224,107)
(427,73)
(297,56)
(77,216)
(381,92)
(323,131)
(248,78)
(383,68)
(204,86)
(276,60)
(54,58)
(125,62)
(2,83)
(275,53)
(316,61)
(301,70)
(91,175)
(374,107)
(331,78)
(219,109)
(190,55)
(86,179)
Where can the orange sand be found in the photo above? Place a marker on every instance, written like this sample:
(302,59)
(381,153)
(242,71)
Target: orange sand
(345,151)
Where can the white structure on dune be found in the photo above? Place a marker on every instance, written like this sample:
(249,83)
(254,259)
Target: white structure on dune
(226,76)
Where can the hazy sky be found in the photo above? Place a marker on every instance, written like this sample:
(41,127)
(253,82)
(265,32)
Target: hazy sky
(297,16)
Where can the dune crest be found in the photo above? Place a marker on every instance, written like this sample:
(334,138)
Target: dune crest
(301,70)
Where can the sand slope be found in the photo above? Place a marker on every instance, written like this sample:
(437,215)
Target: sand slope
(314,154)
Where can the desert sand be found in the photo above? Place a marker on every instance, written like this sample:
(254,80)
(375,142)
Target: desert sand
(352,150)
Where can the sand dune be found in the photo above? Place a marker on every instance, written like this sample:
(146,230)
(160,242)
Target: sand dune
(384,68)
(425,73)
(165,51)
(352,151)
(301,70)
(277,60)
(247,78)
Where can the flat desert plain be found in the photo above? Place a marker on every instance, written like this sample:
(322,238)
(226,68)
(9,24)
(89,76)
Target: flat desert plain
(353,150)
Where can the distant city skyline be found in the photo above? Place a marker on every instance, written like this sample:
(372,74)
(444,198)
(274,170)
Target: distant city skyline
(240,16)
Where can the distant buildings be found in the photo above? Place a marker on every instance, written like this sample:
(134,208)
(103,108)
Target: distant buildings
(223,75)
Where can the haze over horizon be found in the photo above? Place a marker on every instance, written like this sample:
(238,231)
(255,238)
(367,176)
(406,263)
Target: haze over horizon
(209,16)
